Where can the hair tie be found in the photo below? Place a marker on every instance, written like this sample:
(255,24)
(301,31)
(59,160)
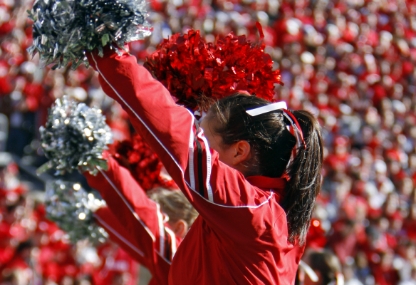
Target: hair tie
(295,128)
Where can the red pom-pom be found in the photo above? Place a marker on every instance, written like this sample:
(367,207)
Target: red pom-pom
(198,73)
(143,163)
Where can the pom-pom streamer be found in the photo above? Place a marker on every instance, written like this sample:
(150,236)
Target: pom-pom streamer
(198,73)
(64,29)
(142,162)
(71,207)
(74,137)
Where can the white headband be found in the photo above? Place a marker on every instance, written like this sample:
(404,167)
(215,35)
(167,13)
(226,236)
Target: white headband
(267,108)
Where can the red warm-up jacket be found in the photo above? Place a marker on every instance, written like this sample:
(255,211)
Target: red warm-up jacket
(241,234)
(134,221)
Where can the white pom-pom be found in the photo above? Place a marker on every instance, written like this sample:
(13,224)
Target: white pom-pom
(64,29)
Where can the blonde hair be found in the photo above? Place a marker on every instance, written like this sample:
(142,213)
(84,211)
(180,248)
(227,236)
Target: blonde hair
(174,204)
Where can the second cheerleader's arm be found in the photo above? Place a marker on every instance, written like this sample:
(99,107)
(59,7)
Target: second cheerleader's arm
(132,244)
(120,234)
(212,187)
(133,220)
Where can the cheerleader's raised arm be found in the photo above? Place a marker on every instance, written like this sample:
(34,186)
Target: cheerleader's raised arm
(173,133)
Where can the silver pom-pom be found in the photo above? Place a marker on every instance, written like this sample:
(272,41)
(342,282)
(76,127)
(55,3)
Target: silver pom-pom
(64,29)
(74,137)
(71,208)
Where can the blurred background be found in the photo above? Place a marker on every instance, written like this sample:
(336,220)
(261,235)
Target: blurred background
(351,63)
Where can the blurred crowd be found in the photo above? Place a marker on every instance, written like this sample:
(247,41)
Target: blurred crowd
(351,63)
(34,251)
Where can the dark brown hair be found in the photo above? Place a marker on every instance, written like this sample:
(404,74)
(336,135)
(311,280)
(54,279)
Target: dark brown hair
(271,145)
(327,264)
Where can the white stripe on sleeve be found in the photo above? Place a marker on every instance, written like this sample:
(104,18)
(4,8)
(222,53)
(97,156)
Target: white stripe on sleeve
(114,232)
(127,203)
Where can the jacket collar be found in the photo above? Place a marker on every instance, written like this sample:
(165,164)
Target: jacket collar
(263,182)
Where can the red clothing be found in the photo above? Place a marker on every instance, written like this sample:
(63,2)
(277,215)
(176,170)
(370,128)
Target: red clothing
(116,263)
(56,261)
(33,93)
(241,234)
(141,231)
(385,275)
(409,226)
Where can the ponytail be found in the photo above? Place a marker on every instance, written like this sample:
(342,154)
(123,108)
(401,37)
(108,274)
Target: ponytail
(305,180)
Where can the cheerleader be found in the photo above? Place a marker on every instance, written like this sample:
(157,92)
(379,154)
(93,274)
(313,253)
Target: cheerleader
(251,169)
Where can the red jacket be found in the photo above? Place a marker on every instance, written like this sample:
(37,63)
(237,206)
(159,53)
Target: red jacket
(240,236)
(134,221)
